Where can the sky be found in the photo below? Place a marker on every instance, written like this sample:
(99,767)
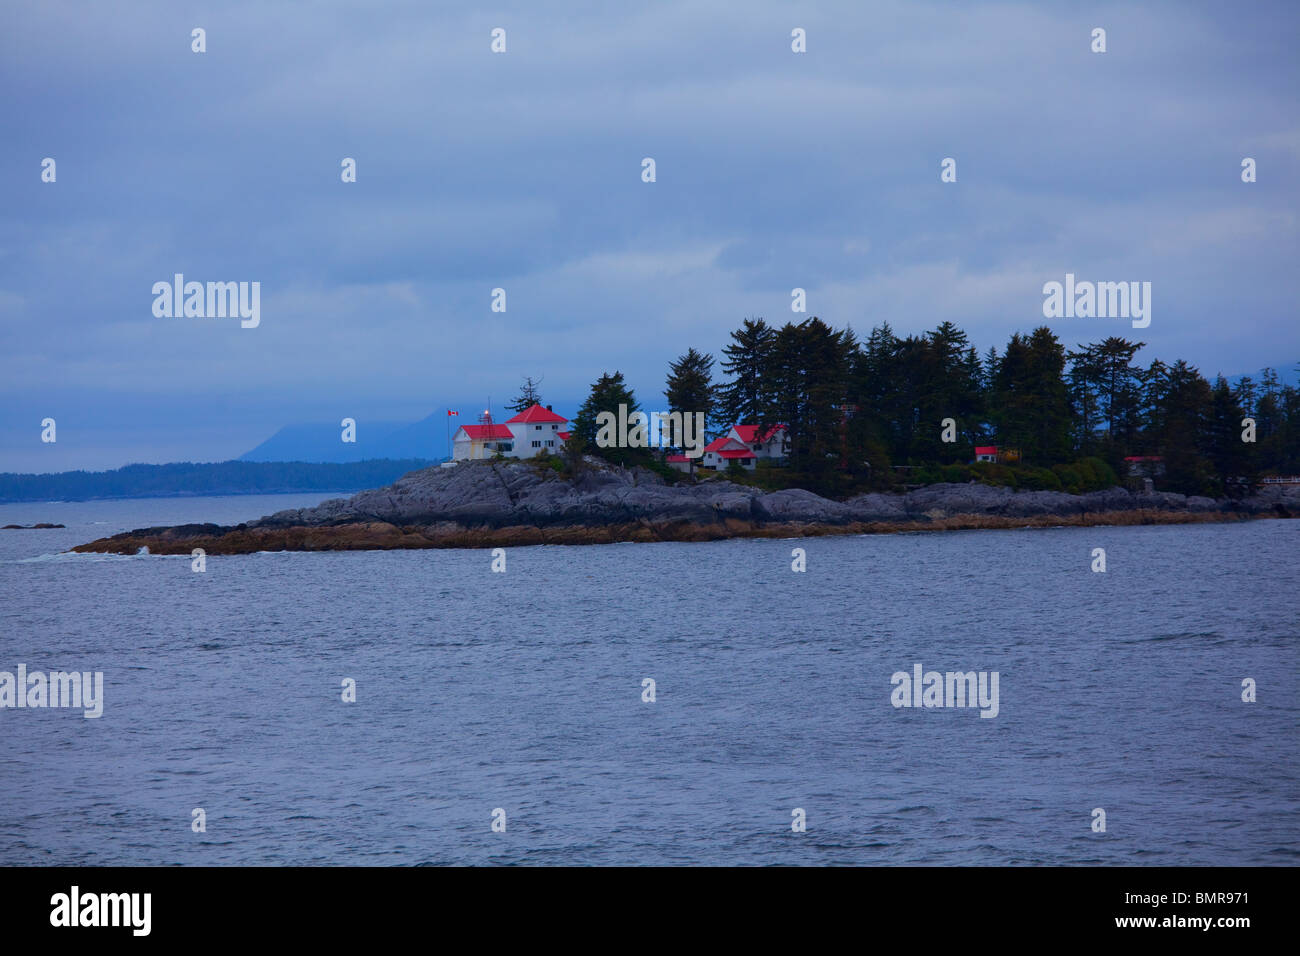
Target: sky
(522,170)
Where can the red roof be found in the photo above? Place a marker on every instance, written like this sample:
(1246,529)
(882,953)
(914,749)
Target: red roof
(986,449)
(679,459)
(1144,458)
(535,414)
(564,436)
(488,432)
(718,444)
(748,433)
(736,453)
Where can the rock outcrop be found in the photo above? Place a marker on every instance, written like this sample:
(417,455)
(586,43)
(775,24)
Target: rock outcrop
(489,504)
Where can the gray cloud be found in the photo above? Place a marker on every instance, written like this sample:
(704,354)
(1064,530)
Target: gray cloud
(522,171)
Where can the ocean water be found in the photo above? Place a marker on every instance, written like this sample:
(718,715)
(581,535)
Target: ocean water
(523,691)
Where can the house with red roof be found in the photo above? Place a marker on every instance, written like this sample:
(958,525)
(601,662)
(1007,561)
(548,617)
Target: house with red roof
(986,453)
(534,431)
(774,442)
(1145,466)
(743,444)
(721,452)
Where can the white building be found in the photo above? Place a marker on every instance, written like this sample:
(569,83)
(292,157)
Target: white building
(773,443)
(744,445)
(534,431)
(721,452)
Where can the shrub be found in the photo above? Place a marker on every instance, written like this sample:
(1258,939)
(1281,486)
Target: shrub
(957,474)
(1096,475)
(993,474)
(1039,479)
(665,470)
(1071,479)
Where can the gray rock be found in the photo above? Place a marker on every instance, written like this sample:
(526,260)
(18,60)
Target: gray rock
(877,507)
(500,494)
(1111,499)
(1025,504)
(952,499)
(795,504)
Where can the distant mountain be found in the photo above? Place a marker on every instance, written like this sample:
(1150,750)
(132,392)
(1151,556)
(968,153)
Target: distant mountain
(425,439)
(186,479)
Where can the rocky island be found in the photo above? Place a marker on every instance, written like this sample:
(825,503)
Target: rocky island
(492,504)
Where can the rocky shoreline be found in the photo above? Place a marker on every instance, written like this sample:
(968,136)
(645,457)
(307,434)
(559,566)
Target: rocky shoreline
(499,504)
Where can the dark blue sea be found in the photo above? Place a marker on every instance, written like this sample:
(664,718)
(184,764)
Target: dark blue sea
(522,690)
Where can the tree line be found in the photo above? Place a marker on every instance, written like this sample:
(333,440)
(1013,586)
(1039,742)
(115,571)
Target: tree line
(859,408)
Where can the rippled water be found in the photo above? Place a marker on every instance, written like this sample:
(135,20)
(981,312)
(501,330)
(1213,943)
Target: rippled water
(523,691)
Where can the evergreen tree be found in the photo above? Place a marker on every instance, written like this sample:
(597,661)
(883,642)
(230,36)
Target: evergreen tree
(990,369)
(689,388)
(950,389)
(1233,459)
(689,391)
(808,372)
(1120,388)
(879,390)
(1269,419)
(1185,403)
(1031,402)
(746,398)
(1155,385)
(607,394)
(1084,399)
(1286,458)
(529,395)
(1245,394)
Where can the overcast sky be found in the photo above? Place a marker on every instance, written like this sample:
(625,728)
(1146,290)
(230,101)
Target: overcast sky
(522,170)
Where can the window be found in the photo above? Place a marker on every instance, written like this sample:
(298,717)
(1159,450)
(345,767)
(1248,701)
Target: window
(550,444)
(537,444)
(537,428)
(555,428)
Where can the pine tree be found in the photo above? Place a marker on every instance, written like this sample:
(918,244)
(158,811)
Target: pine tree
(1246,394)
(607,394)
(950,389)
(1186,408)
(1232,458)
(808,374)
(1084,399)
(1031,402)
(689,388)
(746,398)
(529,395)
(1119,389)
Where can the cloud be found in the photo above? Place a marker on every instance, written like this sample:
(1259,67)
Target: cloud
(522,171)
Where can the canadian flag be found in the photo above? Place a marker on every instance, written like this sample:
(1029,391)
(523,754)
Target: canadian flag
(450,412)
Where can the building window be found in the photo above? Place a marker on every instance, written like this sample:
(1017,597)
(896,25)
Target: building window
(550,444)
(555,428)
(537,444)
(537,428)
